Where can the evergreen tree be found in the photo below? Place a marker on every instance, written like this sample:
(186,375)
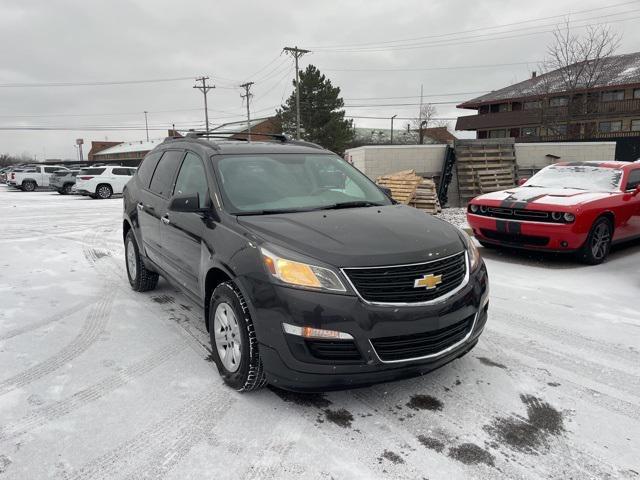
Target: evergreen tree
(321,116)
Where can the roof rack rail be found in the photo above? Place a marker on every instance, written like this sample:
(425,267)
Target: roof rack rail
(282,137)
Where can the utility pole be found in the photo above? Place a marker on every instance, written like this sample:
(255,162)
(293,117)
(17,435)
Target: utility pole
(146,124)
(391,142)
(297,53)
(204,88)
(420,116)
(247,95)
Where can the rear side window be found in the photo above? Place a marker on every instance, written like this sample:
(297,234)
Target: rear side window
(51,169)
(145,171)
(634,179)
(122,171)
(92,171)
(162,179)
(192,179)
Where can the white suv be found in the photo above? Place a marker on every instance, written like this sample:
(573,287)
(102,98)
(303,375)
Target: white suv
(102,182)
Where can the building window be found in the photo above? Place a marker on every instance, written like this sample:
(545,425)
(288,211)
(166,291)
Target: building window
(532,105)
(499,107)
(610,126)
(559,102)
(557,129)
(636,93)
(529,131)
(497,134)
(613,95)
(635,125)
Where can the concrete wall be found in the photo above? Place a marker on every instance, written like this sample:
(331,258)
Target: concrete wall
(377,160)
(533,155)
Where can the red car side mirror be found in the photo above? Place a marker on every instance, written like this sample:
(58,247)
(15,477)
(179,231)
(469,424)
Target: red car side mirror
(522,181)
(636,191)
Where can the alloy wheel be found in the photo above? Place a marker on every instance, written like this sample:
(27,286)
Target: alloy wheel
(227,337)
(600,241)
(104,192)
(132,265)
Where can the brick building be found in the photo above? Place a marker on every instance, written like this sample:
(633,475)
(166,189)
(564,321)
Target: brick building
(541,108)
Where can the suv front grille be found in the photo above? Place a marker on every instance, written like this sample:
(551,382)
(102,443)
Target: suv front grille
(406,347)
(396,284)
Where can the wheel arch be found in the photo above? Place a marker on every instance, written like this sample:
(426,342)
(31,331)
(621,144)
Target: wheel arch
(215,276)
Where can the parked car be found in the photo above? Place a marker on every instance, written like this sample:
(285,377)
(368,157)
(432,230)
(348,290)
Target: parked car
(581,207)
(3,174)
(63,180)
(34,177)
(11,174)
(102,182)
(309,280)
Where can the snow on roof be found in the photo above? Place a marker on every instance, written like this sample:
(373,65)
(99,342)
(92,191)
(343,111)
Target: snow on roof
(129,147)
(237,127)
(617,70)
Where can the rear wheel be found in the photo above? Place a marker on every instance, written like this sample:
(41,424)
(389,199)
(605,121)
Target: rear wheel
(598,243)
(140,278)
(104,191)
(233,340)
(66,190)
(29,185)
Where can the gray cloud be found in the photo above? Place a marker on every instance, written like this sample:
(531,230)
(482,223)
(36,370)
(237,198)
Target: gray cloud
(69,41)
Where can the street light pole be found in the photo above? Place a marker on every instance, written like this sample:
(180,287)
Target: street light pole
(392,128)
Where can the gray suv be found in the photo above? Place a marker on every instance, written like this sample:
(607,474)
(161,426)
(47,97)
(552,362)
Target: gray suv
(62,181)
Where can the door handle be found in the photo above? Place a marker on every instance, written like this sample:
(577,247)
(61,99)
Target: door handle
(140,206)
(165,220)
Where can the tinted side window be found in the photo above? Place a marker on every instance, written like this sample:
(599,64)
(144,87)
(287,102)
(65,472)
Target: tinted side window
(634,179)
(51,169)
(146,169)
(121,171)
(192,179)
(92,171)
(162,179)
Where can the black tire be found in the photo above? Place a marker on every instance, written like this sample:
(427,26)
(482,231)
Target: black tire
(61,191)
(29,186)
(598,244)
(104,191)
(142,279)
(249,374)
(66,189)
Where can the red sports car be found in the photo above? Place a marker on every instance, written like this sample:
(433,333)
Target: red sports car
(580,207)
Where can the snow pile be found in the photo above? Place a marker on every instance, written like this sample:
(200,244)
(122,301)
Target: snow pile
(455,216)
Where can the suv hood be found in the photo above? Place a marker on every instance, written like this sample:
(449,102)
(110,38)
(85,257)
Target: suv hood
(543,196)
(360,237)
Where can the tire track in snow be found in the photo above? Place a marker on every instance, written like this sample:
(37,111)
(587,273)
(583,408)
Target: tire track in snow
(51,319)
(90,394)
(93,326)
(155,450)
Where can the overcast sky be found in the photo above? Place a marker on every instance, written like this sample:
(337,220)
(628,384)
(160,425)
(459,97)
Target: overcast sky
(370,49)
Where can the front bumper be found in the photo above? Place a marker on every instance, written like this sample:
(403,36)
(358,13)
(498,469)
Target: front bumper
(290,363)
(556,237)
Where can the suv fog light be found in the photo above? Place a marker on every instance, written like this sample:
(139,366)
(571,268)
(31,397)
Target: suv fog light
(569,217)
(473,207)
(310,332)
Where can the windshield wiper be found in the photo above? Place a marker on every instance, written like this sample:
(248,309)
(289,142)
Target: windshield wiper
(274,211)
(355,204)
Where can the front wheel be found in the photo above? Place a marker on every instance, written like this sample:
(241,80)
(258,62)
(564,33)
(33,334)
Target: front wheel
(140,278)
(233,340)
(598,244)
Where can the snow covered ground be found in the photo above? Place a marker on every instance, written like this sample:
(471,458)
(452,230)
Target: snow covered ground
(97,381)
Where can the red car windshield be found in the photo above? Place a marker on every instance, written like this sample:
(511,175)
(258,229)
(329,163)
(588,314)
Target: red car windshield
(581,177)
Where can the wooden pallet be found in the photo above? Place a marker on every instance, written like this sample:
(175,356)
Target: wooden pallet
(426,197)
(411,189)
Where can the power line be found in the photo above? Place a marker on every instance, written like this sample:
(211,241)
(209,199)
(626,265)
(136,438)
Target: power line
(424,69)
(484,28)
(82,84)
(475,38)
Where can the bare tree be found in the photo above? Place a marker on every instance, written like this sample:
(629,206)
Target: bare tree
(575,64)
(427,119)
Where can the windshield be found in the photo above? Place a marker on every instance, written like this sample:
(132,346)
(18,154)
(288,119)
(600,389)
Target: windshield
(271,183)
(582,177)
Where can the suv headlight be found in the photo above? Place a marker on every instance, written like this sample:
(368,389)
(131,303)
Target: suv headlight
(472,250)
(301,274)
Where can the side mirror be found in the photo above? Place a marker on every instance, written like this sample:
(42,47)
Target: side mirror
(189,203)
(522,181)
(637,190)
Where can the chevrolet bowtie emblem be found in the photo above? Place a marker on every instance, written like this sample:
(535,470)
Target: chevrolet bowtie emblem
(428,281)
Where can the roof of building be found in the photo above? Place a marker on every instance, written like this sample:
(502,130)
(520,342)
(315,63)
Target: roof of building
(440,134)
(238,127)
(617,70)
(129,147)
